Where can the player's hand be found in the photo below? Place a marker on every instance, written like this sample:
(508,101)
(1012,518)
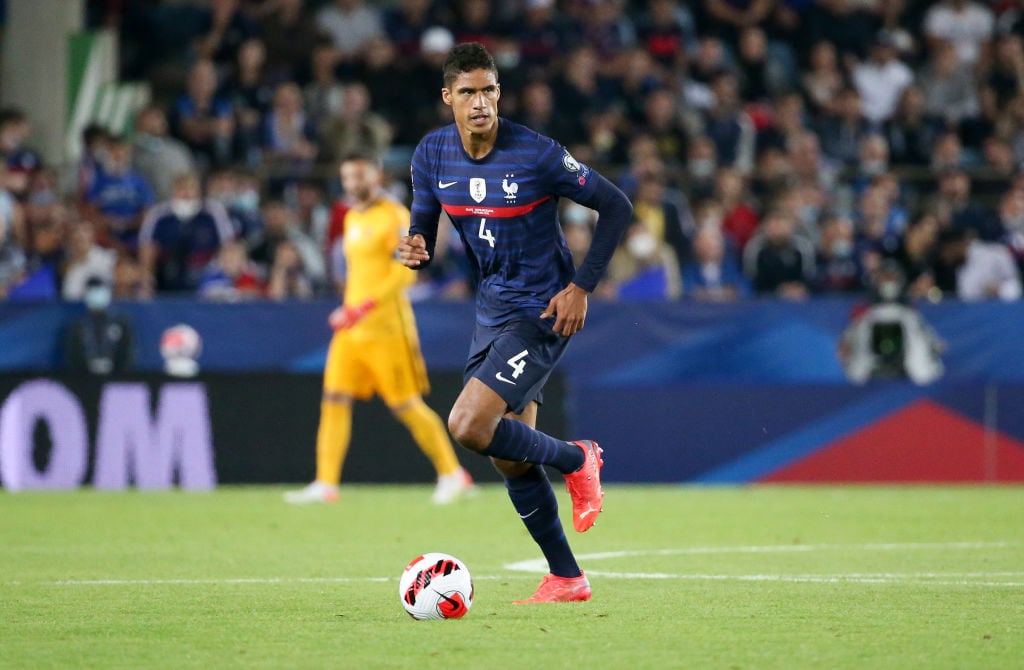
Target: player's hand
(412,251)
(345,317)
(569,307)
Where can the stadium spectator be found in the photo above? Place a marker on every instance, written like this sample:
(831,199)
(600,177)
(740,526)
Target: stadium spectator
(356,127)
(950,89)
(578,88)
(759,77)
(973,270)
(237,193)
(350,25)
(130,281)
(663,122)
(713,275)
(778,261)
(280,228)
(881,79)
(727,18)
(1007,72)
(119,196)
(916,255)
(231,276)
(404,25)
(666,216)
(21,161)
(701,167)
(224,27)
(312,214)
(473,21)
(823,80)
(204,120)
(956,208)
(156,156)
(289,32)
(289,279)
(94,149)
(787,120)
(1011,215)
(842,130)
(248,88)
(740,218)
(911,132)
(642,268)
(323,93)
(729,126)
(542,35)
(179,237)
(968,26)
(837,269)
(668,32)
(85,259)
(12,260)
(289,139)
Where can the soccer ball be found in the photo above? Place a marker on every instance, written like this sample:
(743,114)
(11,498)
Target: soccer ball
(180,346)
(436,586)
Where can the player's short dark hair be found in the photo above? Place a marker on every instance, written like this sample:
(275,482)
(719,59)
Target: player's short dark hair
(362,156)
(467,57)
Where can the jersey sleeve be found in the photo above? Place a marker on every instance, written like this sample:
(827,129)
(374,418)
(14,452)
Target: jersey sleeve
(426,209)
(568,178)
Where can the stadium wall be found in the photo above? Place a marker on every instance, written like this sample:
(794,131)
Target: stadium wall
(676,392)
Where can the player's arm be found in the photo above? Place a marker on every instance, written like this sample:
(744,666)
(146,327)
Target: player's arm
(569,306)
(417,248)
(396,279)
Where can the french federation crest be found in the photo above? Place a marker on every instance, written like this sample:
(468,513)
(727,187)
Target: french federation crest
(477,189)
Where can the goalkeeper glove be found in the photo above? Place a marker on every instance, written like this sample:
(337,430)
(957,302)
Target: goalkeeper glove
(345,317)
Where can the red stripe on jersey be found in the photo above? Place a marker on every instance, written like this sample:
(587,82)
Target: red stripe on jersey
(498,212)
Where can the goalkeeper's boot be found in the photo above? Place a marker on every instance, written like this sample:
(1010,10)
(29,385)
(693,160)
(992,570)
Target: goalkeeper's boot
(450,488)
(317,492)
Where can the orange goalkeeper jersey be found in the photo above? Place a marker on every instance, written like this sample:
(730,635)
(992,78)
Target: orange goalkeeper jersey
(374,273)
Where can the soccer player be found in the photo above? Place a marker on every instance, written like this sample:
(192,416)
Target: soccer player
(375,347)
(499,183)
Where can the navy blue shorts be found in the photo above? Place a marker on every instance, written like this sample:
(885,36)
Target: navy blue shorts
(515,359)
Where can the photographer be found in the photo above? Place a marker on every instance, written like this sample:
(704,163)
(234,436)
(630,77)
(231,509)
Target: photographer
(890,339)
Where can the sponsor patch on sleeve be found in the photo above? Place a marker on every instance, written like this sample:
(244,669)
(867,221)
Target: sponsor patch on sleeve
(570,163)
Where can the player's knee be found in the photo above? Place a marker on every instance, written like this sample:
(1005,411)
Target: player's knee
(468,430)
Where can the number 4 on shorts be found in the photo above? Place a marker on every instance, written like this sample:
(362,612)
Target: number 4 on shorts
(517,363)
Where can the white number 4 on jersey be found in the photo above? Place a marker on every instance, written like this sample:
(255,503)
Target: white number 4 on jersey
(486,234)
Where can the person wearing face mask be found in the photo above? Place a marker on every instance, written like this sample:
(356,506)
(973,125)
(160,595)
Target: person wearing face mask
(100,342)
(838,267)
(119,196)
(180,237)
(890,338)
(643,268)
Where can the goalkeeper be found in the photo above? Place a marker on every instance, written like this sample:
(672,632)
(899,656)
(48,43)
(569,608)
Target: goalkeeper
(375,347)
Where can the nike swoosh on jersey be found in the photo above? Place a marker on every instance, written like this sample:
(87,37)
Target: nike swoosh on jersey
(501,378)
(445,184)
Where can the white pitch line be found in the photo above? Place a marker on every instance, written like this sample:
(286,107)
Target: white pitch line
(920,578)
(527,569)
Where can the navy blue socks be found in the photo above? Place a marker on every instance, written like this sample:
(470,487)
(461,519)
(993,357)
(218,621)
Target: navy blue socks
(515,441)
(535,501)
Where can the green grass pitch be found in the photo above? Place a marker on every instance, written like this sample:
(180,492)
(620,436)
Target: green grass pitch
(683,577)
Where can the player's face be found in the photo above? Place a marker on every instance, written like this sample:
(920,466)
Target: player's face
(473,97)
(360,179)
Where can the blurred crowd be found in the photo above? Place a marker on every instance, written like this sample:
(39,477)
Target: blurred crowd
(780,148)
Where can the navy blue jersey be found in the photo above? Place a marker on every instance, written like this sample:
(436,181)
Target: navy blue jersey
(504,207)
